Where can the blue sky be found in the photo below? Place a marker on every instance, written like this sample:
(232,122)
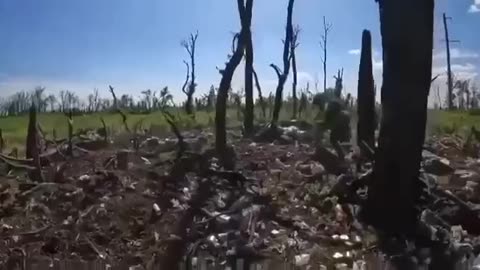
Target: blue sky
(135,44)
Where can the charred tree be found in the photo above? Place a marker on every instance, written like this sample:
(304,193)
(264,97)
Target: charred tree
(32,150)
(283,75)
(2,142)
(226,81)
(366,96)
(323,44)
(294,46)
(338,84)
(263,104)
(407,39)
(190,47)
(246,20)
(115,100)
(449,67)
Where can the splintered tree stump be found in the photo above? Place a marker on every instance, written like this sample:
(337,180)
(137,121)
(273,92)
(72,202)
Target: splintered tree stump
(123,159)
(32,147)
(2,142)
(366,98)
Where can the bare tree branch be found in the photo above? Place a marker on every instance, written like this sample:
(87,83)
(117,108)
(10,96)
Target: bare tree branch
(184,87)
(277,70)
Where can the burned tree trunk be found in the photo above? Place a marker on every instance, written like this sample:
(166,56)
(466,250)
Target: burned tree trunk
(33,147)
(294,45)
(263,105)
(225,84)
(249,108)
(2,142)
(190,47)
(115,100)
(282,76)
(407,38)
(366,96)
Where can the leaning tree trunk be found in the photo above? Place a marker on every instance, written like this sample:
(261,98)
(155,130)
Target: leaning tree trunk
(294,84)
(407,38)
(225,84)
(261,100)
(249,108)
(189,104)
(282,76)
(366,97)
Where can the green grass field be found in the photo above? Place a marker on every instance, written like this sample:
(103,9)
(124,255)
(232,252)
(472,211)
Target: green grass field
(15,128)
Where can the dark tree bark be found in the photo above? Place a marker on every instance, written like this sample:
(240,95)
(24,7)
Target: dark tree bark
(449,67)
(33,146)
(249,108)
(294,46)
(115,103)
(225,84)
(366,96)
(407,39)
(282,76)
(2,142)
(190,47)
(263,104)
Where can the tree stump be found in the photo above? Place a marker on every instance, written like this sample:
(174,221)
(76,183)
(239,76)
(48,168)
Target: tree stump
(123,159)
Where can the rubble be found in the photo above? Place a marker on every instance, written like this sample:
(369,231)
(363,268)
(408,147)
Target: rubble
(294,204)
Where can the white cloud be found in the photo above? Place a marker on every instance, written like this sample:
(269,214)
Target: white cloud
(466,71)
(377,64)
(354,52)
(456,53)
(475,7)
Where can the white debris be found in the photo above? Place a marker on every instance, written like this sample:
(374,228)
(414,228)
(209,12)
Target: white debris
(146,161)
(275,232)
(301,260)
(84,177)
(156,208)
(337,255)
(457,233)
(317,168)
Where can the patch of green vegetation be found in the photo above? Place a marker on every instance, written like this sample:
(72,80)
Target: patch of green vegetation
(452,122)
(15,127)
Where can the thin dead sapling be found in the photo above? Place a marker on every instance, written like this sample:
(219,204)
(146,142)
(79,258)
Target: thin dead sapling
(263,105)
(190,47)
(283,75)
(323,44)
(246,20)
(294,45)
(70,133)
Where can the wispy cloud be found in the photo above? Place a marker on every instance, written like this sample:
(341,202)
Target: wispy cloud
(354,52)
(467,71)
(377,61)
(475,7)
(456,53)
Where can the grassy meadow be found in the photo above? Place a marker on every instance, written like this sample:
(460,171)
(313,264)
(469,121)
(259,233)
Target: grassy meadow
(15,127)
